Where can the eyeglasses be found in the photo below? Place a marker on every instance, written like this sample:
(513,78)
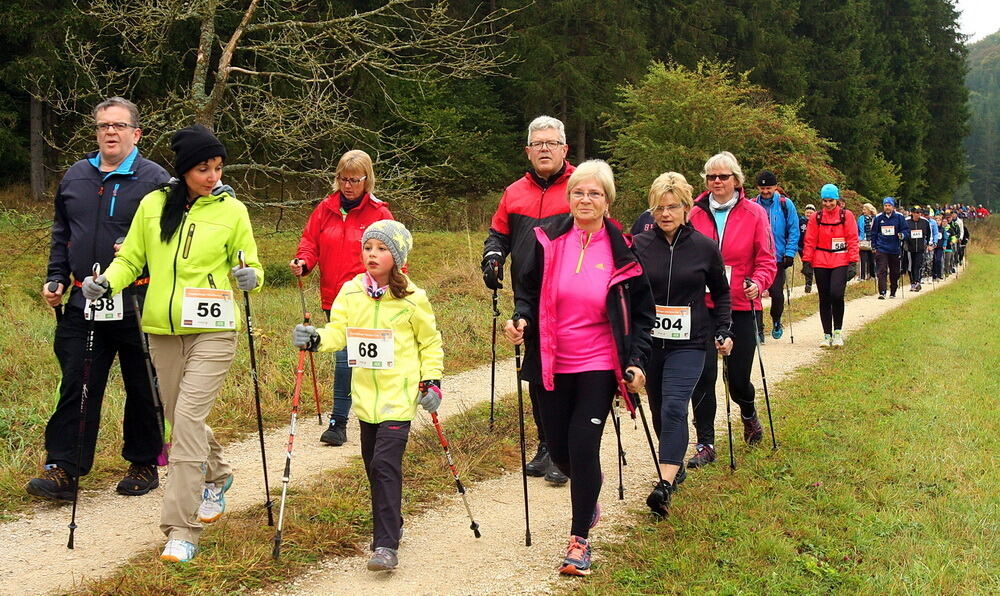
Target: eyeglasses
(722,177)
(592,195)
(546,144)
(352,180)
(116,126)
(671,208)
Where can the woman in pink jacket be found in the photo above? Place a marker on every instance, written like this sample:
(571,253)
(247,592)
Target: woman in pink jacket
(831,246)
(743,232)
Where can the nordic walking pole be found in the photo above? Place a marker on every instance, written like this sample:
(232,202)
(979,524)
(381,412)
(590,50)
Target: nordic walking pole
(58,309)
(788,287)
(88,361)
(616,421)
(763,375)
(729,419)
(299,373)
(520,416)
(454,472)
(312,362)
(637,403)
(493,361)
(256,393)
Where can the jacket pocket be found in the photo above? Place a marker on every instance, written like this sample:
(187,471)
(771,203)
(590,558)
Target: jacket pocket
(188,240)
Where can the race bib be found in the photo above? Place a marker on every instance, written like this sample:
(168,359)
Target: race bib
(865,244)
(838,244)
(208,308)
(105,309)
(888,230)
(672,322)
(370,348)
(916,234)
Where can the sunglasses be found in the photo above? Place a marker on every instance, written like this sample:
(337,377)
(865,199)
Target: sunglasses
(722,177)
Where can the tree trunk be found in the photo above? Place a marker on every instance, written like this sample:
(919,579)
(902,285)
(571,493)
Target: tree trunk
(37,153)
(199,80)
(581,141)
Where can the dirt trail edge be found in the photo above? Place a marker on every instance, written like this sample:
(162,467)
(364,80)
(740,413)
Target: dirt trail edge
(438,554)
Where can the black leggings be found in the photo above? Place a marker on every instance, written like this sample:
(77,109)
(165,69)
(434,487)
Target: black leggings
(867,264)
(573,414)
(916,267)
(777,291)
(672,375)
(831,285)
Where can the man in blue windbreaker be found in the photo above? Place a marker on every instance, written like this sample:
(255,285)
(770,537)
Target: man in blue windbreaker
(785,229)
(888,230)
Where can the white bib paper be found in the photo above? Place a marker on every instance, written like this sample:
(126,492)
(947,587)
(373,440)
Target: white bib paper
(672,322)
(207,308)
(838,244)
(106,309)
(916,234)
(888,230)
(370,348)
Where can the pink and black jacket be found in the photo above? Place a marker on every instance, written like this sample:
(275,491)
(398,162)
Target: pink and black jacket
(629,302)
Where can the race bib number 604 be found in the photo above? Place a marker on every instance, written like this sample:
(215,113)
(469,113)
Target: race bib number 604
(370,348)
(672,322)
(208,308)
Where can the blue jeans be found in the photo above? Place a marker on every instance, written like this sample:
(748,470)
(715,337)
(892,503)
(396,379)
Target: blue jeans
(673,374)
(341,385)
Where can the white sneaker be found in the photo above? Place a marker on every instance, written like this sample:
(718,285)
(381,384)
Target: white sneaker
(178,551)
(838,339)
(213,501)
(827,341)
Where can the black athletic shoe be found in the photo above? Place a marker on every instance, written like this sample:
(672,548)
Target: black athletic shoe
(892,295)
(554,476)
(540,463)
(139,480)
(336,434)
(54,484)
(809,288)
(881,295)
(753,432)
(681,476)
(658,501)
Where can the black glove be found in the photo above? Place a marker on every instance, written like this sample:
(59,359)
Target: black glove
(787,262)
(852,270)
(492,266)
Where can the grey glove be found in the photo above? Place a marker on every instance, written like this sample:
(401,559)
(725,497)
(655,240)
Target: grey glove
(95,288)
(246,278)
(305,337)
(430,395)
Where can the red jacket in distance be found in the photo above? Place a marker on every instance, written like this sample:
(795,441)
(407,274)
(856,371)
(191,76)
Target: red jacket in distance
(332,239)
(747,246)
(831,239)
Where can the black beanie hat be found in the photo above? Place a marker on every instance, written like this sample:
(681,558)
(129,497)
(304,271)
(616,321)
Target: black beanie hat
(193,145)
(767,178)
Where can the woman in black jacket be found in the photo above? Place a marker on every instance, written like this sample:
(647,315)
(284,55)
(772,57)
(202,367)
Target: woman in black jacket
(680,263)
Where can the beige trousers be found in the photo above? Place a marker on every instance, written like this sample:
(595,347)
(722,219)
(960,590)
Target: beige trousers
(190,369)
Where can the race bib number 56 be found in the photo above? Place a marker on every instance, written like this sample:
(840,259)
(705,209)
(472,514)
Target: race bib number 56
(370,348)
(207,308)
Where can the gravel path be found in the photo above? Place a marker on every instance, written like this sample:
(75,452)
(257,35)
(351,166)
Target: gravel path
(439,554)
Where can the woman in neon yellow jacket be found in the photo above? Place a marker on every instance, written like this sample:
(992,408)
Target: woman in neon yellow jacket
(189,234)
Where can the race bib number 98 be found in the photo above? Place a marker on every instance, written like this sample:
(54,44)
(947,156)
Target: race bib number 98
(370,348)
(672,322)
(105,309)
(207,308)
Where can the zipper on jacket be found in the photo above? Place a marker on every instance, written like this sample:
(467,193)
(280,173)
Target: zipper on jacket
(670,269)
(378,419)
(188,240)
(211,281)
(97,223)
(114,199)
(173,286)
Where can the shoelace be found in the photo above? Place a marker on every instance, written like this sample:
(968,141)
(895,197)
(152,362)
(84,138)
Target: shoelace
(577,551)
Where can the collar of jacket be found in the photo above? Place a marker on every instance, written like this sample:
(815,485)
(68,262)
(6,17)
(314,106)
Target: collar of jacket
(621,252)
(702,201)
(683,232)
(544,183)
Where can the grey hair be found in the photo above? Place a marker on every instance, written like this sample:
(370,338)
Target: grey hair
(595,169)
(725,160)
(545,122)
(122,102)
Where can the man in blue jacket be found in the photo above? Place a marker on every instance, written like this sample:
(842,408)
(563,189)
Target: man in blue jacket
(888,230)
(785,229)
(94,206)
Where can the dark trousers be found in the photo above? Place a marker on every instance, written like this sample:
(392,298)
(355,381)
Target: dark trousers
(142,439)
(886,263)
(673,374)
(703,402)
(382,447)
(777,292)
(867,264)
(938,270)
(916,267)
(831,284)
(573,414)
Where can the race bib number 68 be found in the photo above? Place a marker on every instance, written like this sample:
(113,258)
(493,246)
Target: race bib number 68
(370,348)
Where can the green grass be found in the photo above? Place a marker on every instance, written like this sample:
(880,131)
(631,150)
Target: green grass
(443,263)
(886,480)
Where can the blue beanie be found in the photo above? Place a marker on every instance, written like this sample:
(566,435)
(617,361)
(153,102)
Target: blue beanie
(889,200)
(829,191)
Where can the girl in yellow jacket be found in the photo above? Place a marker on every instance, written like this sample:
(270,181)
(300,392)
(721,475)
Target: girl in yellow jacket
(387,325)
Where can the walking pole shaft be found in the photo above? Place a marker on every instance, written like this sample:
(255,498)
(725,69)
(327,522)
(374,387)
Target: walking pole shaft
(306,319)
(286,476)
(524,465)
(454,472)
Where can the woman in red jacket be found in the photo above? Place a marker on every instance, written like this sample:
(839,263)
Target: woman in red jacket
(831,246)
(331,240)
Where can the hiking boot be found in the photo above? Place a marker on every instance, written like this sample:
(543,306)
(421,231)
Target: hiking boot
(704,455)
(540,463)
(383,559)
(554,476)
(139,480)
(336,434)
(777,330)
(54,484)
(881,295)
(577,560)
(809,288)
(753,432)
(178,551)
(213,501)
(838,339)
(827,341)
(658,501)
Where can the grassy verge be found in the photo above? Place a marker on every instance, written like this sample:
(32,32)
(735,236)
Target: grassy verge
(443,263)
(885,482)
(327,517)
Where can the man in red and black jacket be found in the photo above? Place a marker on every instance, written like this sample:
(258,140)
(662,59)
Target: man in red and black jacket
(531,201)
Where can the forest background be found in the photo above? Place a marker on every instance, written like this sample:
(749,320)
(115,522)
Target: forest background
(880,97)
